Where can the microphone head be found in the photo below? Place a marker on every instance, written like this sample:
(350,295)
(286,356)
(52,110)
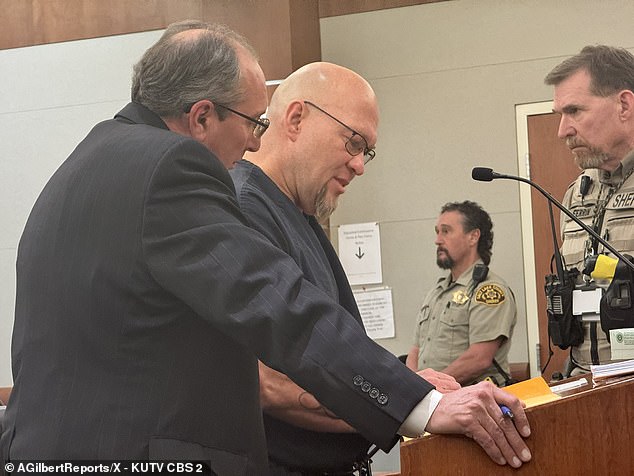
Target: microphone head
(482,174)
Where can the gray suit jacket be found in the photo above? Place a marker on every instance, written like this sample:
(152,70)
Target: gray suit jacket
(143,302)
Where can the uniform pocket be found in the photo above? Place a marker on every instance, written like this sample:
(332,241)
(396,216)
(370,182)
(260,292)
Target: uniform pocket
(455,315)
(620,232)
(422,323)
(455,330)
(423,314)
(574,245)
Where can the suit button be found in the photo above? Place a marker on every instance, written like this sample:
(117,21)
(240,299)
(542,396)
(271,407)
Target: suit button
(383,398)
(358,380)
(366,386)
(374,393)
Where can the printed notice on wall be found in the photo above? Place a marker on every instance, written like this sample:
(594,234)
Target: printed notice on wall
(375,306)
(360,252)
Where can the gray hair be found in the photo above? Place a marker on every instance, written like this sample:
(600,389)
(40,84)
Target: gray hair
(611,69)
(179,70)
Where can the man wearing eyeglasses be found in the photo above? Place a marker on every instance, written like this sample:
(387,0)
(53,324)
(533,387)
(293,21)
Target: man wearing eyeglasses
(306,161)
(144,299)
(324,121)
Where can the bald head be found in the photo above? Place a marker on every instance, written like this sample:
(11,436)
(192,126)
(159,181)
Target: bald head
(338,90)
(324,118)
(326,84)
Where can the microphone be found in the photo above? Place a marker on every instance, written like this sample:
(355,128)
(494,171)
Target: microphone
(616,302)
(485,174)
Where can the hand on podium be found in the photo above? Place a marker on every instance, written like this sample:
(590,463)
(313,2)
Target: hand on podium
(475,412)
(444,383)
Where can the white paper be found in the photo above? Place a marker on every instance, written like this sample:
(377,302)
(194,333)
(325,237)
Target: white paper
(360,252)
(377,312)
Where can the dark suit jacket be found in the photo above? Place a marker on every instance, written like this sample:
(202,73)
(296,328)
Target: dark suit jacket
(143,301)
(301,237)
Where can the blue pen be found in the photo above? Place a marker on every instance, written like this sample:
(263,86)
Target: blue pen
(506,411)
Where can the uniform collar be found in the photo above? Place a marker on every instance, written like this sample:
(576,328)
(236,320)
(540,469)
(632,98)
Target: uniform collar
(621,173)
(463,280)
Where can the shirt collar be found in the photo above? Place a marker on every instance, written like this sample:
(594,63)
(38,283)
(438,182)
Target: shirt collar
(618,176)
(464,279)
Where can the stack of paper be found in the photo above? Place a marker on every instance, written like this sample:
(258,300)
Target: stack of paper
(612,370)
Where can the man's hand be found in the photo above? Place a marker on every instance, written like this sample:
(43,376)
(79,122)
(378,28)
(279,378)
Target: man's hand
(283,399)
(444,383)
(475,412)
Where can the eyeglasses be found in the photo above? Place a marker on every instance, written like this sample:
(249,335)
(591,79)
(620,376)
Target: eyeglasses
(356,143)
(259,125)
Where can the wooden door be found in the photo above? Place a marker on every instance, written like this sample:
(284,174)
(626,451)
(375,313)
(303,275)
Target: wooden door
(552,167)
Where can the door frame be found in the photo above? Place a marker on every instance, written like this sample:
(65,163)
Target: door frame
(522,112)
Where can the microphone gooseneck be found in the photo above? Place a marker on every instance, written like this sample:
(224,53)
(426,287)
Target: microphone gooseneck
(485,174)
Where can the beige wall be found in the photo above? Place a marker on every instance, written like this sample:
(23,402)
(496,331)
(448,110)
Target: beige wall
(448,76)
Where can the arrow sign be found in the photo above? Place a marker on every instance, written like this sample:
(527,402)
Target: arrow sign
(360,252)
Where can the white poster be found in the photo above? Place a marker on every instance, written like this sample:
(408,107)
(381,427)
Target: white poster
(360,252)
(377,312)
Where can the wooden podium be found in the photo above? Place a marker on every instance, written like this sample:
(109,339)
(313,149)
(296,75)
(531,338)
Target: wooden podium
(589,431)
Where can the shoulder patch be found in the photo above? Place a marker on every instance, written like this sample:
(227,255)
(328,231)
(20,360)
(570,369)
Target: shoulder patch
(490,294)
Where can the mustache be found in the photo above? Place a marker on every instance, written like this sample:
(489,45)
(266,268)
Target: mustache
(572,142)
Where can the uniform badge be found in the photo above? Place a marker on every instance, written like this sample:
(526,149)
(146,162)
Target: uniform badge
(460,297)
(490,294)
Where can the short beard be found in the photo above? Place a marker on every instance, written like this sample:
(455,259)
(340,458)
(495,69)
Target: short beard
(446,262)
(590,159)
(593,160)
(323,207)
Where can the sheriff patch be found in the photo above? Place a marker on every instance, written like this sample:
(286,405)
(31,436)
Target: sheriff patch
(490,294)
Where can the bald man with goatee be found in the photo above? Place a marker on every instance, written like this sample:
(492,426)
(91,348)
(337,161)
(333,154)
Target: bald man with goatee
(324,121)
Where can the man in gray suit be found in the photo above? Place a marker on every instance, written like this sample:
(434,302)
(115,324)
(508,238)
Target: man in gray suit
(144,300)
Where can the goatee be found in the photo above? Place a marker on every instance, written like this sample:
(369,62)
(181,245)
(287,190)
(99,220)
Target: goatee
(446,262)
(323,207)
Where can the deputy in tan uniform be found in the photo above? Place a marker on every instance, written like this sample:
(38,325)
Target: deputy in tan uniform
(594,95)
(465,325)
